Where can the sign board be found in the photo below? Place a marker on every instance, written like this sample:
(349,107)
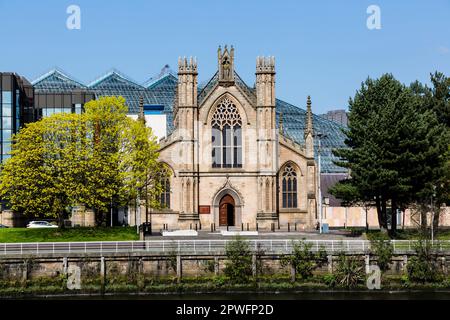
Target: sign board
(204,209)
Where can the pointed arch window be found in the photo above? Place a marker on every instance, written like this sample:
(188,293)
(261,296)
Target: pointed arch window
(289,187)
(226,125)
(164,198)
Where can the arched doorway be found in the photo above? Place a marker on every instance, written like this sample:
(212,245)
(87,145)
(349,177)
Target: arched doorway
(226,211)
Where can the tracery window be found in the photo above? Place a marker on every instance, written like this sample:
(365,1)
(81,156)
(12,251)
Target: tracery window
(164,198)
(226,137)
(289,187)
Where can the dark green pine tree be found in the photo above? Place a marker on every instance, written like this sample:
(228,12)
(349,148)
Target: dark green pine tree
(388,148)
(436,175)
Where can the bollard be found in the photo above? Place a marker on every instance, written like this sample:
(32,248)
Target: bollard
(227,227)
(272,226)
(247,226)
(212,227)
(190,226)
(257,226)
(242,226)
(289,227)
(295,225)
(195,227)
(214,224)
(200,225)
(278,225)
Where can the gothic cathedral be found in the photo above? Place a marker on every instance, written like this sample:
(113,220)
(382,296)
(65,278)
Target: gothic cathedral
(229,160)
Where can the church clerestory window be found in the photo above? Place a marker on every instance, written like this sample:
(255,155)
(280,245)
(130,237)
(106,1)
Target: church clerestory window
(289,187)
(226,137)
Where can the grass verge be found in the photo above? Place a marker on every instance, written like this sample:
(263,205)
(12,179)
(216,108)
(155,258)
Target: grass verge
(15,235)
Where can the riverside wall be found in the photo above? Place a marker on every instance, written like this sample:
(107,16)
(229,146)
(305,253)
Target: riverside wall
(28,267)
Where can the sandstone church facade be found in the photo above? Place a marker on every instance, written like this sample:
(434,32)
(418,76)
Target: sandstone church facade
(229,164)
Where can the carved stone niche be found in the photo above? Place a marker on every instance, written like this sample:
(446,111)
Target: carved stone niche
(226,66)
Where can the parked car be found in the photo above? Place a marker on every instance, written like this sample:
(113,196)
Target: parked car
(41,224)
(3,226)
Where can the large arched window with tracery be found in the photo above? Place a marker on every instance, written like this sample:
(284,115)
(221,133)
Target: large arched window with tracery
(226,138)
(289,187)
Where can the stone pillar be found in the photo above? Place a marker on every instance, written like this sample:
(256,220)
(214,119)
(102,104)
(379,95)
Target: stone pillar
(65,265)
(26,270)
(405,262)
(179,268)
(444,265)
(293,273)
(140,279)
(367,262)
(330,263)
(216,266)
(103,273)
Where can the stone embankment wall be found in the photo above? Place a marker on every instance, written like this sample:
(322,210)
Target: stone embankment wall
(28,267)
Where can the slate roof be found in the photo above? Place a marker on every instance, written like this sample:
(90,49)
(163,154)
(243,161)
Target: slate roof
(328,180)
(160,90)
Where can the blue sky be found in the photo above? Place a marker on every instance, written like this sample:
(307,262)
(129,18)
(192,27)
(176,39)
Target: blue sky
(322,48)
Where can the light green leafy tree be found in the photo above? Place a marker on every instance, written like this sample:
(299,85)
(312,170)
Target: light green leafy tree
(99,158)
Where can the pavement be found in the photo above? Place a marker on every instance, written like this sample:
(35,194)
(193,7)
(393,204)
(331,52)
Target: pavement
(297,235)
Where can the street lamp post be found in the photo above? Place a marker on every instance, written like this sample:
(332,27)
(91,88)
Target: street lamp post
(432,215)
(319,150)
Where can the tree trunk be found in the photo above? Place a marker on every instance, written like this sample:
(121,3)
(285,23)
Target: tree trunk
(435,222)
(393,229)
(379,212)
(423,218)
(384,214)
(61,220)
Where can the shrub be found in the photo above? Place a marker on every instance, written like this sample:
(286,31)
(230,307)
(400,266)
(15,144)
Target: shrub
(208,266)
(355,231)
(422,267)
(330,280)
(219,281)
(238,267)
(349,271)
(303,260)
(383,249)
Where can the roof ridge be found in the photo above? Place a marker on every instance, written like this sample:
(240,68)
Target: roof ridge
(110,72)
(165,72)
(57,70)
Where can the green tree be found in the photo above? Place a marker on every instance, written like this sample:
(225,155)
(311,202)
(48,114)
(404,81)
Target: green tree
(303,260)
(42,176)
(100,158)
(391,147)
(105,120)
(142,173)
(384,250)
(238,266)
(435,192)
(423,266)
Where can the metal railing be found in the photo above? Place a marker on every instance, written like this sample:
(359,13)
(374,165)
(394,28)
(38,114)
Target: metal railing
(201,247)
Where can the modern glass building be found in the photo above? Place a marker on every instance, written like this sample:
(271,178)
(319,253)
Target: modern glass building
(16,101)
